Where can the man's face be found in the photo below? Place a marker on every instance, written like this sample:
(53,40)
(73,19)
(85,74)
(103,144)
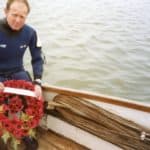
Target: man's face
(16,15)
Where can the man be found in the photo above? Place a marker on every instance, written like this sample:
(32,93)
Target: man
(15,38)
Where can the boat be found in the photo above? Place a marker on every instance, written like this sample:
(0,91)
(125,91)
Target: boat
(81,120)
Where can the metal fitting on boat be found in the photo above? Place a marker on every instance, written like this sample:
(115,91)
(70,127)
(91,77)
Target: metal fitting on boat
(145,136)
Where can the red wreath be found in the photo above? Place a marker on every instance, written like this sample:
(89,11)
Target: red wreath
(19,114)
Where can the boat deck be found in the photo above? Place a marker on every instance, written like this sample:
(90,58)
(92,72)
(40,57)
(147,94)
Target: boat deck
(48,140)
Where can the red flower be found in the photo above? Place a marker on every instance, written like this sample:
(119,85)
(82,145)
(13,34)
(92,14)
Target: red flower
(15,104)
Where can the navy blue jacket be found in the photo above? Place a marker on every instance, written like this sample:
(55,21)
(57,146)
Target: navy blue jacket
(13,45)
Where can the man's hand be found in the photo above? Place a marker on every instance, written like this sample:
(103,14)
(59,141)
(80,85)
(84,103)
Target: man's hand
(1,86)
(38,91)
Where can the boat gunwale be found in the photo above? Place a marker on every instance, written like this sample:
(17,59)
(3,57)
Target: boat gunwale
(141,106)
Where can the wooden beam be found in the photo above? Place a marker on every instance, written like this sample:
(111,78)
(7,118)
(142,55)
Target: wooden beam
(145,107)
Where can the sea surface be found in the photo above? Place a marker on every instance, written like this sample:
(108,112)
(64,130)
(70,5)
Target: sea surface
(102,46)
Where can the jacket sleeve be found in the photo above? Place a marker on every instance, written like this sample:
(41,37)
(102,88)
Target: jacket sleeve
(36,56)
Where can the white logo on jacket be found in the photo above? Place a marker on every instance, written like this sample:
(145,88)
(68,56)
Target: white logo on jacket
(3,45)
(38,43)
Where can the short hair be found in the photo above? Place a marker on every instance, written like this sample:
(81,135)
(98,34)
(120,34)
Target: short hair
(9,2)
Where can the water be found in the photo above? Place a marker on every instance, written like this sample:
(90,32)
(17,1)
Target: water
(95,45)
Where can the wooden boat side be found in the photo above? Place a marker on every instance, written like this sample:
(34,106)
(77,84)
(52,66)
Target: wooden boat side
(129,107)
(100,98)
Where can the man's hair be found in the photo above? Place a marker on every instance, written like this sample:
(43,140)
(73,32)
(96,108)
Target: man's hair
(9,2)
